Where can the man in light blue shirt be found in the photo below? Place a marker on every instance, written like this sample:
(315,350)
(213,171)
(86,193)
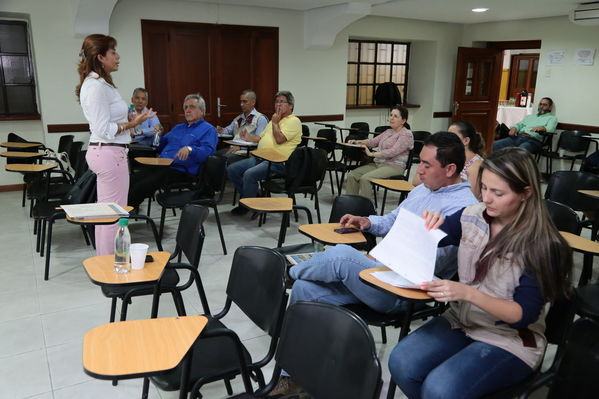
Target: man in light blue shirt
(528,133)
(333,276)
(150,128)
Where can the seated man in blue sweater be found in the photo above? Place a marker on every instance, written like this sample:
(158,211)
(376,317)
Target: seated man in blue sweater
(188,144)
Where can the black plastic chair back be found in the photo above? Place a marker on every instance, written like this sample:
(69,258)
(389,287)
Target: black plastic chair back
(564,185)
(354,154)
(214,175)
(305,130)
(190,233)
(363,127)
(419,137)
(352,204)
(64,143)
(381,129)
(574,141)
(564,218)
(329,145)
(15,138)
(576,376)
(330,352)
(558,321)
(257,285)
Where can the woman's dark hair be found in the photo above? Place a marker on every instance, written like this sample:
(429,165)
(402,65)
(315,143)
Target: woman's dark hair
(450,149)
(94,45)
(477,143)
(403,111)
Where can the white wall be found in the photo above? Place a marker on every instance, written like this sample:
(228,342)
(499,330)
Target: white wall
(572,87)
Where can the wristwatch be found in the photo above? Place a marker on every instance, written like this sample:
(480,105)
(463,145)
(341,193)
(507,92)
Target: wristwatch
(189,148)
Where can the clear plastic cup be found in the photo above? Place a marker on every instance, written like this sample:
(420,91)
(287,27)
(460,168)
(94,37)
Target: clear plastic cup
(138,255)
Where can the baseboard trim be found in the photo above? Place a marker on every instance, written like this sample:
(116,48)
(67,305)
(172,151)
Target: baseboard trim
(11,187)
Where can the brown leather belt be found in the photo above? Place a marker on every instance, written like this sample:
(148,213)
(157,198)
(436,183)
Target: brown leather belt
(110,145)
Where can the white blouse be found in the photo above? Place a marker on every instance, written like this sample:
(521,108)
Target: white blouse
(103,108)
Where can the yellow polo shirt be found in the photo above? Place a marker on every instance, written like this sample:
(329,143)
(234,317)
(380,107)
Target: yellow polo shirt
(291,127)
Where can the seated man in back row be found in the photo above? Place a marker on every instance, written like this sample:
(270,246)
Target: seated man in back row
(188,144)
(332,276)
(527,134)
(283,133)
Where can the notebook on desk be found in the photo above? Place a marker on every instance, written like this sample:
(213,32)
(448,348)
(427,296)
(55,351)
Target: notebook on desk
(94,211)
(409,250)
(243,142)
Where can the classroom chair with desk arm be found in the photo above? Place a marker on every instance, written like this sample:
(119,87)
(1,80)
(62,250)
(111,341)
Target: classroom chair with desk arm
(189,242)
(328,351)
(257,286)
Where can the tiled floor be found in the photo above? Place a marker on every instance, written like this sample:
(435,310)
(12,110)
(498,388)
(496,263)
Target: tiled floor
(42,322)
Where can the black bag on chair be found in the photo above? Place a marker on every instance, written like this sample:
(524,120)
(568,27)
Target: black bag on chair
(84,190)
(387,94)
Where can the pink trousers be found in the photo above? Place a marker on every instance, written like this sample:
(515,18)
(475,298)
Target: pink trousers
(110,164)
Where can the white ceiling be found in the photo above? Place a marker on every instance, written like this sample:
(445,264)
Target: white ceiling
(458,11)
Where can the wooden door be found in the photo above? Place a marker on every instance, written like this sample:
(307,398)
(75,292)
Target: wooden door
(476,91)
(523,74)
(217,61)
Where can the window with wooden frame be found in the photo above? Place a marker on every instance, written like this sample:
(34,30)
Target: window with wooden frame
(17,84)
(371,63)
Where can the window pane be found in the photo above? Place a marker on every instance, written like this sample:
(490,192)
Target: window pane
(533,77)
(13,38)
(367,54)
(351,95)
(484,70)
(352,52)
(16,69)
(366,73)
(402,91)
(399,74)
(365,95)
(352,73)
(382,73)
(522,73)
(399,53)
(384,52)
(20,100)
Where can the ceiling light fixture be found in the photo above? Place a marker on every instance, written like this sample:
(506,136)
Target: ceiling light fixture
(482,9)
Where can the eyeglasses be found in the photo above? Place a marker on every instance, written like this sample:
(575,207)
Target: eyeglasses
(545,104)
(281,102)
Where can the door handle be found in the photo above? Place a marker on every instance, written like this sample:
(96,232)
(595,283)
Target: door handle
(219,105)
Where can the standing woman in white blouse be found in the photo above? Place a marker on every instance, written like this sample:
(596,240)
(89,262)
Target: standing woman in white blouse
(106,112)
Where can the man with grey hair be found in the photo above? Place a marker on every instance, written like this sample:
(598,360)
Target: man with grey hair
(283,133)
(188,144)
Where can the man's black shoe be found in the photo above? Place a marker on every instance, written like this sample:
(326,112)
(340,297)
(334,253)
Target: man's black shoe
(239,210)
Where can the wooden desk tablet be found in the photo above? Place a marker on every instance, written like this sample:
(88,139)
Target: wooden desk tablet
(269,154)
(16,144)
(352,145)
(24,154)
(394,184)
(152,161)
(268,204)
(588,248)
(315,138)
(29,167)
(414,294)
(100,270)
(138,348)
(324,233)
(590,193)
(128,208)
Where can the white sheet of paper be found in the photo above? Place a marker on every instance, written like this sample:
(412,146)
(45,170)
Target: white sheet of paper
(243,142)
(409,249)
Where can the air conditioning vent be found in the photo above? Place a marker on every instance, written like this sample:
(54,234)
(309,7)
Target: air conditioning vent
(586,14)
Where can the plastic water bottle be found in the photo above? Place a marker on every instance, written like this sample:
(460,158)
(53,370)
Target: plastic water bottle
(131,116)
(122,247)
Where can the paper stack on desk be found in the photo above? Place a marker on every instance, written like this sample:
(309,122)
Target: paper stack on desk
(94,211)
(409,250)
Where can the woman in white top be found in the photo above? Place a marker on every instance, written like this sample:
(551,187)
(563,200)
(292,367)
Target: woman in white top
(106,112)
(474,146)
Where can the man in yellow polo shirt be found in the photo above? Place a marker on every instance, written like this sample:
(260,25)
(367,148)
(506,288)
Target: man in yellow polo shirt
(283,133)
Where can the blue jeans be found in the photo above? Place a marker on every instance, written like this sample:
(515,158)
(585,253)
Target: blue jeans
(436,361)
(246,174)
(332,277)
(528,143)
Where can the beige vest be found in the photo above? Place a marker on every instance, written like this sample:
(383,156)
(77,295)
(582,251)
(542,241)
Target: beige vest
(500,282)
